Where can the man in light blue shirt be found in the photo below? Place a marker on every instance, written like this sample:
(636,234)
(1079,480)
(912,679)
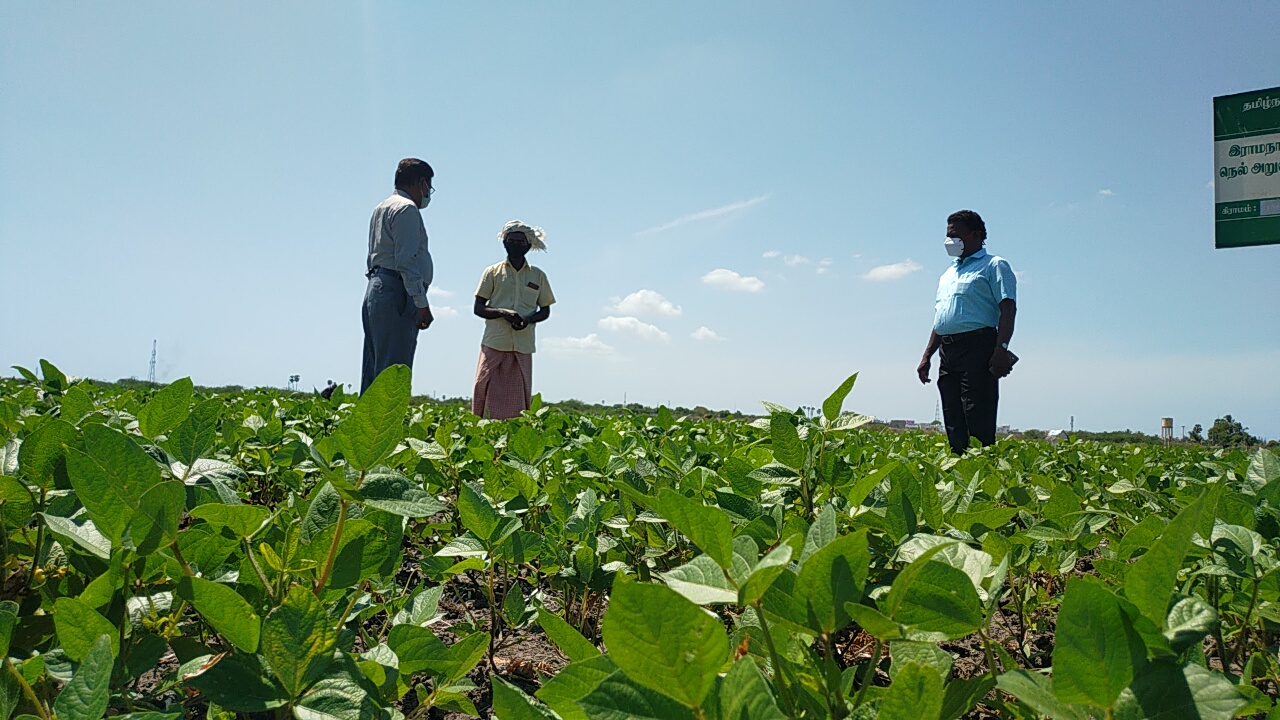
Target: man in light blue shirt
(972,325)
(399,269)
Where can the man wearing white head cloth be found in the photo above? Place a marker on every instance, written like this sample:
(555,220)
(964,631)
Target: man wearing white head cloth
(512,297)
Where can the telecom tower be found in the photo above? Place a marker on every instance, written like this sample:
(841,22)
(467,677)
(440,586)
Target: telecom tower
(151,374)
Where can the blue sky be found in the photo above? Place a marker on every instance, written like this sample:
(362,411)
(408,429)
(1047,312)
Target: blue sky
(202,174)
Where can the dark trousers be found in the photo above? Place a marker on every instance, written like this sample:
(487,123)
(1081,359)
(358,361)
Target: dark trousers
(390,326)
(969,391)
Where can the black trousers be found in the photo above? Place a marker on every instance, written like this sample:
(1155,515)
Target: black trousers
(969,391)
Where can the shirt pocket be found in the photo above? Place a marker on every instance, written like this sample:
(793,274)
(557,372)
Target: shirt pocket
(528,298)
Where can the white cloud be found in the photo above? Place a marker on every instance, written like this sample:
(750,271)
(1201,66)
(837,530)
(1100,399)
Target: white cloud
(645,302)
(1019,275)
(893,271)
(435,292)
(1105,191)
(771,254)
(706,214)
(824,265)
(589,346)
(443,311)
(795,260)
(635,327)
(706,333)
(730,280)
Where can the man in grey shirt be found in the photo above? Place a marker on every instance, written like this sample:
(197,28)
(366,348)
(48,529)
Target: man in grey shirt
(399,270)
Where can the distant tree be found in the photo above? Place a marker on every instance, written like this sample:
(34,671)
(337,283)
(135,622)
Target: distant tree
(1196,434)
(1227,432)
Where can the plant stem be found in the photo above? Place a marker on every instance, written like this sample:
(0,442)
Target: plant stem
(248,549)
(26,690)
(869,674)
(181,560)
(784,692)
(835,703)
(1243,649)
(337,538)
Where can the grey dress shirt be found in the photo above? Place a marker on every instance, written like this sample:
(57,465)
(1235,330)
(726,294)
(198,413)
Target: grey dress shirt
(398,241)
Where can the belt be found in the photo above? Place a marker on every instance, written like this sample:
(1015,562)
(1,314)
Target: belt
(961,337)
(375,269)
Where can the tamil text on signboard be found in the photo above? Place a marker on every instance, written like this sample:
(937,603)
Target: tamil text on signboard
(1246,154)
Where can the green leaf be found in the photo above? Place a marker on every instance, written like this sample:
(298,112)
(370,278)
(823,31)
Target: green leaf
(702,581)
(243,520)
(527,443)
(43,452)
(874,622)
(566,638)
(787,447)
(86,696)
(76,403)
(233,681)
(1189,620)
(298,639)
(1036,690)
(109,478)
(619,697)
(763,574)
(916,694)
(663,641)
(745,694)
(1149,582)
(832,405)
(392,492)
(82,532)
(934,597)
(865,484)
(904,652)
(224,609)
(962,695)
(1097,652)
(562,692)
(833,576)
(1164,691)
(16,503)
(510,703)
(821,532)
(1264,469)
(195,435)
(420,650)
(155,523)
(421,608)
(369,434)
(362,551)
(8,619)
(54,379)
(337,696)
(706,526)
(79,627)
(476,513)
(168,407)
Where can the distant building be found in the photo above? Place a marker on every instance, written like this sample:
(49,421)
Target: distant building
(1054,436)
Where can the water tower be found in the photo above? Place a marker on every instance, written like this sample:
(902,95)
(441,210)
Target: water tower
(1166,430)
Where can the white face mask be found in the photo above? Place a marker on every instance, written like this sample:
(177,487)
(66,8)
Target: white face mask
(425,201)
(954,246)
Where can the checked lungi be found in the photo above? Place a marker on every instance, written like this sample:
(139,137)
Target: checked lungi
(504,384)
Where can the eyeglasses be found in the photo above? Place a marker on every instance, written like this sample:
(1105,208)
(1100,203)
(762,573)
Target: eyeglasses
(430,191)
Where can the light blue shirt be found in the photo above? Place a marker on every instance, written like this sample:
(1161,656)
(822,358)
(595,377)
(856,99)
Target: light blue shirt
(398,241)
(970,291)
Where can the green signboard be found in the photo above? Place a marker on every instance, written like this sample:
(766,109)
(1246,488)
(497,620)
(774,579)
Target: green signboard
(1246,157)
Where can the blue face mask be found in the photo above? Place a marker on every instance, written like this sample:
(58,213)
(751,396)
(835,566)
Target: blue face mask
(954,246)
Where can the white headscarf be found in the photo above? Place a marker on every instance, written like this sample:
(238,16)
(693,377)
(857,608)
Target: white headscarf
(537,238)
